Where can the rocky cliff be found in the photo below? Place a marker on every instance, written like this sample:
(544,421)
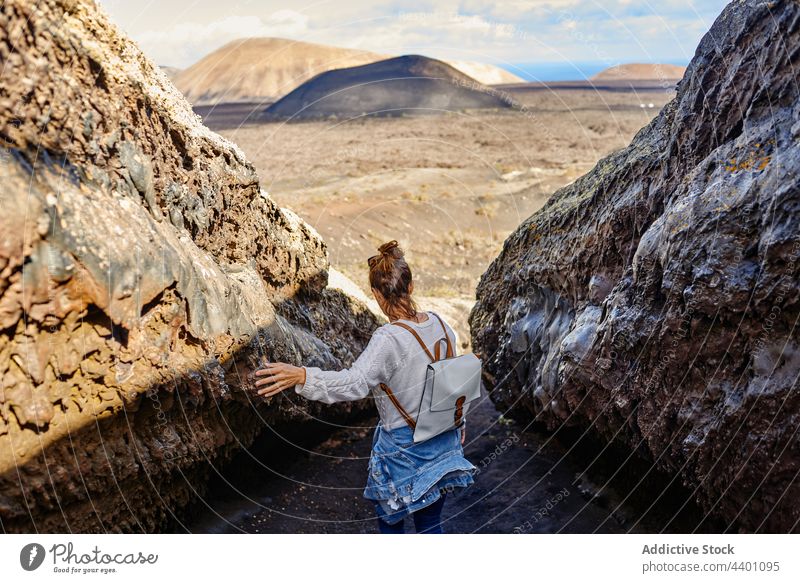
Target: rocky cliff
(143,275)
(655,300)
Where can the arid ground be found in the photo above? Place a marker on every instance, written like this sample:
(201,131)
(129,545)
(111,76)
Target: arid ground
(572,485)
(449,188)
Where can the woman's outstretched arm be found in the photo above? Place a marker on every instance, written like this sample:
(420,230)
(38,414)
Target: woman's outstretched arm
(373,366)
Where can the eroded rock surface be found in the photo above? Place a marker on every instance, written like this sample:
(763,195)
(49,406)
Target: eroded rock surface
(655,299)
(143,274)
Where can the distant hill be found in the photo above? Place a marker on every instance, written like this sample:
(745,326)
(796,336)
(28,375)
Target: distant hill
(265,69)
(485,73)
(171,72)
(640,71)
(262,69)
(410,84)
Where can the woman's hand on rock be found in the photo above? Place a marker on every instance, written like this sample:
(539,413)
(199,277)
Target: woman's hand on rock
(279,376)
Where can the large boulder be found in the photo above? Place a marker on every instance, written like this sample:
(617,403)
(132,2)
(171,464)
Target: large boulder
(143,277)
(655,300)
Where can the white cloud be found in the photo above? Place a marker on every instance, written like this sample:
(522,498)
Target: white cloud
(182,44)
(519,31)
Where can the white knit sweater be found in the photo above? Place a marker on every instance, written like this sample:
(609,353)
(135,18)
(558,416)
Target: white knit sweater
(392,356)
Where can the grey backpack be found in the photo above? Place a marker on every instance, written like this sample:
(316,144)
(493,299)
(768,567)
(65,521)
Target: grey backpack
(451,384)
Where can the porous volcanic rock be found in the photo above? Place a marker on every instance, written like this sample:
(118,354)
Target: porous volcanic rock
(407,85)
(143,275)
(655,299)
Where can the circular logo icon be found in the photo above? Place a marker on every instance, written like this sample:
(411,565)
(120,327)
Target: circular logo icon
(31,556)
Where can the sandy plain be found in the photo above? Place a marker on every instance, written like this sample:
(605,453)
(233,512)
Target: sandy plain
(450,188)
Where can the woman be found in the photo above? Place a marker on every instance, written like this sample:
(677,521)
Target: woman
(404,478)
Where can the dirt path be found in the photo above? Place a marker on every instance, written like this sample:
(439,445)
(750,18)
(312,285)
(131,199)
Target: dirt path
(527,482)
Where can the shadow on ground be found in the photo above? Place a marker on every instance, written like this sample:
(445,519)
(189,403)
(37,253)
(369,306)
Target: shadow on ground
(530,482)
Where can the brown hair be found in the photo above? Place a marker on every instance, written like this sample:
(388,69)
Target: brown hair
(391,276)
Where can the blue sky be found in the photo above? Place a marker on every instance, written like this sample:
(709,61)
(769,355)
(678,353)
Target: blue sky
(548,39)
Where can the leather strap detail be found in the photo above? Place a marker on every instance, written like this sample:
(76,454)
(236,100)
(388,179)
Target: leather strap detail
(414,332)
(446,337)
(409,420)
(437,355)
(459,410)
(459,404)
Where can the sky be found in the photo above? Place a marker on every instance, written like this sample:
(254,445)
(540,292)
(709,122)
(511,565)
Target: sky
(536,39)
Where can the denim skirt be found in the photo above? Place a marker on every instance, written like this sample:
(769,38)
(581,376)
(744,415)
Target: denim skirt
(405,476)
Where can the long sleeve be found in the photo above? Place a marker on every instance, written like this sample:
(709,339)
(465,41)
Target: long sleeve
(375,365)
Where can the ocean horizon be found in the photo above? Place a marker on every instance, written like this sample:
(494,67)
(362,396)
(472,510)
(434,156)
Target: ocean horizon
(565,70)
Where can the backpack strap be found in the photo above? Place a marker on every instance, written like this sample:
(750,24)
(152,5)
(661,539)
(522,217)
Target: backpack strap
(437,355)
(446,337)
(421,343)
(385,388)
(409,420)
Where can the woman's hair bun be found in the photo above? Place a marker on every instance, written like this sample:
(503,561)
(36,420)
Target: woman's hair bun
(388,254)
(390,275)
(391,248)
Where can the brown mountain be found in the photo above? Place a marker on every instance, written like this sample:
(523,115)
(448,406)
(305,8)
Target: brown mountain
(171,72)
(411,84)
(640,71)
(265,69)
(485,73)
(262,69)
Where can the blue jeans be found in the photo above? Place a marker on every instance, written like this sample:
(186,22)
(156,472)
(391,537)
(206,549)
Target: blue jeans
(427,520)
